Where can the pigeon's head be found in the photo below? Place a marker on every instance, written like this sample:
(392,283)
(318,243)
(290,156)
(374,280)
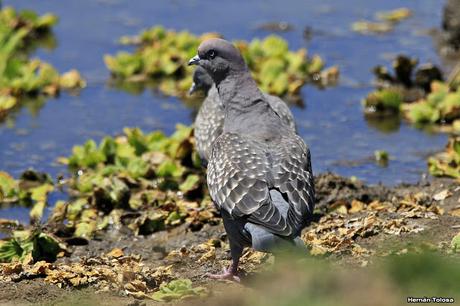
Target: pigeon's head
(219,58)
(201,81)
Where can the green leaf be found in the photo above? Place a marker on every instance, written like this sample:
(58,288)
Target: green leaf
(40,245)
(75,208)
(7,102)
(455,243)
(87,224)
(40,193)
(384,100)
(137,168)
(36,212)
(108,147)
(381,157)
(137,139)
(169,169)
(178,289)
(46,248)
(274,46)
(8,186)
(396,15)
(87,156)
(10,250)
(420,113)
(190,183)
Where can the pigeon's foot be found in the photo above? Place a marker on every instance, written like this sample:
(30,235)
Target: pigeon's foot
(227,274)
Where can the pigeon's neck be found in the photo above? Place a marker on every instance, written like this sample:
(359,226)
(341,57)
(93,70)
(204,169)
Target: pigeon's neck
(246,109)
(239,90)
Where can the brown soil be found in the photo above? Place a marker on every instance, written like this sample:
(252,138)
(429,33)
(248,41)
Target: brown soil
(154,248)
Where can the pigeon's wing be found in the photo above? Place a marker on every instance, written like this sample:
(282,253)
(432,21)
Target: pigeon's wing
(282,110)
(208,124)
(293,177)
(237,174)
(241,174)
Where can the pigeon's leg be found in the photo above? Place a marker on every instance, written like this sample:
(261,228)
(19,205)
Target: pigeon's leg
(231,273)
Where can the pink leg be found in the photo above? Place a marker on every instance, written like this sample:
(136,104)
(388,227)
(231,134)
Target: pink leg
(227,274)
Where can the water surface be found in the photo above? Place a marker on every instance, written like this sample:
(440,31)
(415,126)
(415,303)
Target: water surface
(331,122)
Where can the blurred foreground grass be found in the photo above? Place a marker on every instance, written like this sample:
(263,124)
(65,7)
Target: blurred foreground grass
(317,283)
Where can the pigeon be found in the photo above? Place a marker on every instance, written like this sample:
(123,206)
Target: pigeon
(210,118)
(259,174)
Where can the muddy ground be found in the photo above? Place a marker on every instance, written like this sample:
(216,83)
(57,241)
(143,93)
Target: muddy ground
(435,232)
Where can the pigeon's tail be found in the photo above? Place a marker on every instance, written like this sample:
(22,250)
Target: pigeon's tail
(295,219)
(265,241)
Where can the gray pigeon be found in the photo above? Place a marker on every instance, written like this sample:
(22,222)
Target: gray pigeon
(210,119)
(259,173)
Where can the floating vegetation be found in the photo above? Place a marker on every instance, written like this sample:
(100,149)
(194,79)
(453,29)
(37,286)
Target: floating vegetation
(29,246)
(144,182)
(419,94)
(162,57)
(21,77)
(386,23)
(441,106)
(396,15)
(30,190)
(148,182)
(447,163)
(366,27)
(27,21)
(381,157)
(383,102)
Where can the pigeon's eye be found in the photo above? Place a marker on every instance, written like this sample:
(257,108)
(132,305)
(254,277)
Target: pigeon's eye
(211,54)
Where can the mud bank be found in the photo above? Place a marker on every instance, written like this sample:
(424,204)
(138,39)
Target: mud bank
(355,225)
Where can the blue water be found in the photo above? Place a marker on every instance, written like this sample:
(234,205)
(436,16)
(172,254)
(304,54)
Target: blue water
(332,122)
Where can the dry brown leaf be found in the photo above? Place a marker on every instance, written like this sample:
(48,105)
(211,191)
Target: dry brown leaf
(12,268)
(356,206)
(442,195)
(455,212)
(116,253)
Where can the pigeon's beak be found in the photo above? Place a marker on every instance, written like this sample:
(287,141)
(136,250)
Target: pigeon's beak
(194,61)
(192,89)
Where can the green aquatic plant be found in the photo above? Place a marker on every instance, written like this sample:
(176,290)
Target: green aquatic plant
(417,93)
(27,19)
(447,163)
(441,106)
(383,102)
(386,23)
(21,76)
(178,289)
(381,157)
(395,15)
(9,187)
(35,28)
(162,57)
(150,179)
(31,190)
(30,246)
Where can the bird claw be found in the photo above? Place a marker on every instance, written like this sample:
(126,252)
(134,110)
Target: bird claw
(227,274)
